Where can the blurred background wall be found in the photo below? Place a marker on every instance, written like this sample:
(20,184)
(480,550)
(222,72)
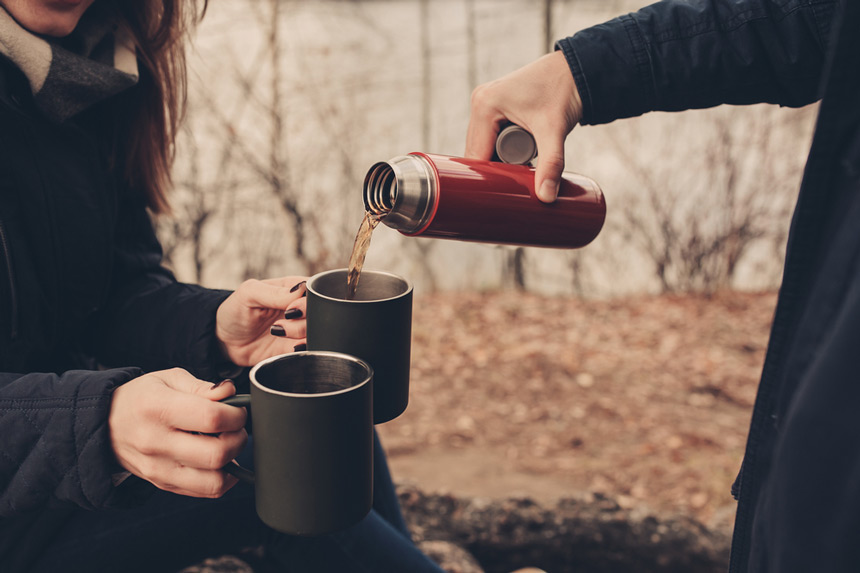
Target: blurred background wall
(292,101)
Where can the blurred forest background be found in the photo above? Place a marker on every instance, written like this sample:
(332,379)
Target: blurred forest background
(292,101)
(628,367)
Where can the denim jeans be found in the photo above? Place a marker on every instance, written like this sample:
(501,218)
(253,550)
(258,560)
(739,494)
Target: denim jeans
(172,531)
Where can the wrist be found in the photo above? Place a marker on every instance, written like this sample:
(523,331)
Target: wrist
(222,365)
(576,103)
(566,84)
(564,49)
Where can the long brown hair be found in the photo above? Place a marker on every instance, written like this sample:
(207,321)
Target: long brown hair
(159,29)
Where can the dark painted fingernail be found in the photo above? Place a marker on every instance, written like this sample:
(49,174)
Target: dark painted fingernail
(277,330)
(215,385)
(293,313)
(298,286)
(300,347)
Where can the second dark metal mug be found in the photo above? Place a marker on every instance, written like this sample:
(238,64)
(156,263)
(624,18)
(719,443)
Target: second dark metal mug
(375,326)
(313,441)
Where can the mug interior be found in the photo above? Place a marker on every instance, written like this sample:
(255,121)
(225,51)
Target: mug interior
(372,286)
(311,373)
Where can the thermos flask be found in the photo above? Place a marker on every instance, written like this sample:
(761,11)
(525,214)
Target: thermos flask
(427,195)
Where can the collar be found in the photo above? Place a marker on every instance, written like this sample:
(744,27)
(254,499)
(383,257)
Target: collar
(68,75)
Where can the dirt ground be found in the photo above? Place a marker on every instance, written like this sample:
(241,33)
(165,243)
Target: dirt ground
(646,399)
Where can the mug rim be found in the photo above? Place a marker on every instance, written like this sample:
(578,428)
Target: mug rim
(309,285)
(253,373)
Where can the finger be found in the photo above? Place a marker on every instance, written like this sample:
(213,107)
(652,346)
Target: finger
(284,345)
(221,390)
(484,123)
(192,414)
(550,165)
(183,407)
(297,309)
(268,295)
(301,287)
(194,482)
(206,452)
(481,140)
(289,328)
(291,281)
(183,381)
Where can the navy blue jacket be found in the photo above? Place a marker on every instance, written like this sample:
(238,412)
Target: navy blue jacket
(85,306)
(799,487)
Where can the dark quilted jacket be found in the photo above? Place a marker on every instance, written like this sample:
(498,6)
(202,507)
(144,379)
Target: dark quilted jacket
(799,487)
(84,307)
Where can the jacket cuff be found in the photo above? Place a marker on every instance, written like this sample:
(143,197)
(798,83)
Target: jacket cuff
(205,357)
(96,463)
(611,67)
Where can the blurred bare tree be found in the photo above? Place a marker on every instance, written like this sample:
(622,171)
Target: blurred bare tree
(701,210)
(191,214)
(255,186)
(309,95)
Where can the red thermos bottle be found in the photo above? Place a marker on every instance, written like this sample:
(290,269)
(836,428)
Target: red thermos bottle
(486,201)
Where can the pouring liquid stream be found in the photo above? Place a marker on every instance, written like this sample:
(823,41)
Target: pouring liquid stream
(359,253)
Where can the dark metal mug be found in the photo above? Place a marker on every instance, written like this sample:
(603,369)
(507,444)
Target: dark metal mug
(313,441)
(376,326)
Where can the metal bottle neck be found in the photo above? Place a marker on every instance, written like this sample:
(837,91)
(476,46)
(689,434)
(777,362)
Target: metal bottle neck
(401,192)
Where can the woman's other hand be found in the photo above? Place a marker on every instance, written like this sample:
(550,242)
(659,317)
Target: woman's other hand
(168,428)
(541,98)
(262,319)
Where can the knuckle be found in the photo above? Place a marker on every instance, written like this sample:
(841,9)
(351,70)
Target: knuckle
(481,97)
(161,413)
(476,94)
(149,469)
(212,421)
(215,486)
(235,444)
(146,447)
(219,457)
(167,487)
(146,443)
(553,161)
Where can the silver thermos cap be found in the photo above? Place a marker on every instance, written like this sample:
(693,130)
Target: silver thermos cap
(515,145)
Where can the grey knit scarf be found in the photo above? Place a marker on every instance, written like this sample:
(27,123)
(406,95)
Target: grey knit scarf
(70,74)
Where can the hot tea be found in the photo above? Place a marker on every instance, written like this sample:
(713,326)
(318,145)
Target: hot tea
(359,253)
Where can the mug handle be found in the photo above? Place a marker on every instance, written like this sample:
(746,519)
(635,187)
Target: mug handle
(233,468)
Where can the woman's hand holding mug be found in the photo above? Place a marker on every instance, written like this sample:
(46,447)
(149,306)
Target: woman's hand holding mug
(247,319)
(170,429)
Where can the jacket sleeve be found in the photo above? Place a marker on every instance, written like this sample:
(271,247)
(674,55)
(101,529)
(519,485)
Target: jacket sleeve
(151,320)
(56,442)
(677,55)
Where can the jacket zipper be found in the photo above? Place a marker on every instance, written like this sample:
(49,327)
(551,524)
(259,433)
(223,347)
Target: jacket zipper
(4,247)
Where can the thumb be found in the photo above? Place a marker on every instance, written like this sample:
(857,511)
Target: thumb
(550,166)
